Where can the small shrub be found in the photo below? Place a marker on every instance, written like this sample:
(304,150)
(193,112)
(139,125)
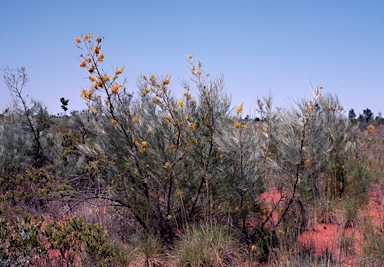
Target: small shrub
(21,243)
(76,239)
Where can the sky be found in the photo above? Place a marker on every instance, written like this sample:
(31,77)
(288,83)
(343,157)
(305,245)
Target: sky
(281,47)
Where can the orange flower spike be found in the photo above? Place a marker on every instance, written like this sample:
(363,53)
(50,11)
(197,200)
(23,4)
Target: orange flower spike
(115,89)
(82,92)
(113,121)
(100,58)
(96,49)
(177,192)
(88,94)
(240,109)
(99,39)
(119,71)
(167,81)
(135,119)
(167,165)
(82,64)
(106,78)
(77,40)
(180,103)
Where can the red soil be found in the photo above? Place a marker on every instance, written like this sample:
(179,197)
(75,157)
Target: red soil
(333,238)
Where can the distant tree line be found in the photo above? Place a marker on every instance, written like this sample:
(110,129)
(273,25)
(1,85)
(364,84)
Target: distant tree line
(366,118)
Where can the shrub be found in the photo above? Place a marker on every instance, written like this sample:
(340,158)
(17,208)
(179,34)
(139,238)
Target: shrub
(160,150)
(77,240)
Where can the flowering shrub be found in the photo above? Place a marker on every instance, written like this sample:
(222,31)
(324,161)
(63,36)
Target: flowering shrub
(163,148)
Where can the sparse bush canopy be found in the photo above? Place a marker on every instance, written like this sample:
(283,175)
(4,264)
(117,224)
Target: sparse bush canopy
(154,178)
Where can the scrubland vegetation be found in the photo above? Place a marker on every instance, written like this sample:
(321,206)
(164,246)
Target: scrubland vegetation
(153,178)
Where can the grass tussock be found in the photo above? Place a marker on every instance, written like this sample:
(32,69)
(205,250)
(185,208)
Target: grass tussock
(207,245)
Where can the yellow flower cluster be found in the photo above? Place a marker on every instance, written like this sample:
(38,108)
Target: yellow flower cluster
(167,165)
(370,129)
(115,88)
(180,103)
(187,96)
(167,81)
(100,58)
(239,109)
(177,192)
(119,71)
(239,125)
(86,94)
(96,49)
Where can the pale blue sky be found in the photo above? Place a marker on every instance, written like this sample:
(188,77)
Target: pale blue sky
(282,47)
